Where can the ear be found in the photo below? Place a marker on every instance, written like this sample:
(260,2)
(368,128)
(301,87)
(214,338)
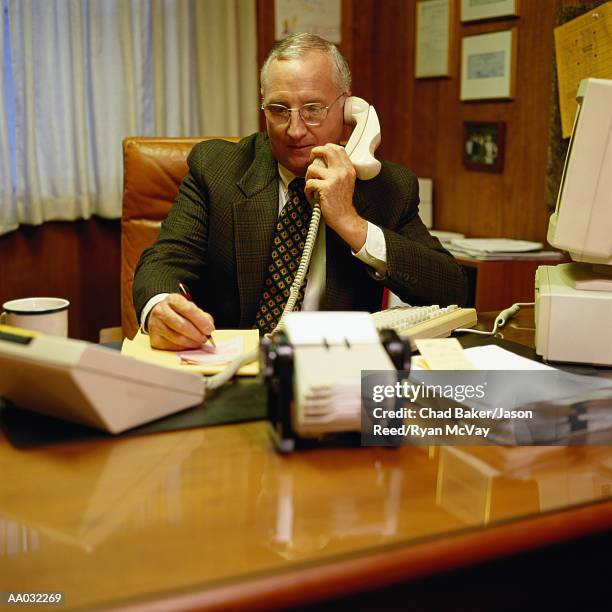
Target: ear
(347,97)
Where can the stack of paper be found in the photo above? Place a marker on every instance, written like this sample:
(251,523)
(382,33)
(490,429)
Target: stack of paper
(500,249)
(444,236)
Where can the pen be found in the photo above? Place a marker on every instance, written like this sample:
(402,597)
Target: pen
(184,291)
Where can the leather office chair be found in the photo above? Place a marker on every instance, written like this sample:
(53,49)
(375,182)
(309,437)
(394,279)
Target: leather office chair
(153,168)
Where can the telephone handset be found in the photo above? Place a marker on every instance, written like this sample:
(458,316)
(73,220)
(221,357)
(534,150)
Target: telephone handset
(360,147)
(365,137)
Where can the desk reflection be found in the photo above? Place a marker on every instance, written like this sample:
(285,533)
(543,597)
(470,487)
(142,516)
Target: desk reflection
(483,485)
(133,483)
(303,510)
(293,527)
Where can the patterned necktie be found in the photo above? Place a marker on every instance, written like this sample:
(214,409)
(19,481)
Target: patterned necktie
(287,246)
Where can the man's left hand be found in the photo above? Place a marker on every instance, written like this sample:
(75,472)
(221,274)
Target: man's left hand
(334,180)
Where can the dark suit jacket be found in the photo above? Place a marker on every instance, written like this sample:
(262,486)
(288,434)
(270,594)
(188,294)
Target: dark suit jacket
(217,239)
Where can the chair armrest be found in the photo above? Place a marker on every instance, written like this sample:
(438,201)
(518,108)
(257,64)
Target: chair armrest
(110,334)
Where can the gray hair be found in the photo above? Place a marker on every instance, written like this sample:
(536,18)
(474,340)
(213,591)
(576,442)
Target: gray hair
(296,46)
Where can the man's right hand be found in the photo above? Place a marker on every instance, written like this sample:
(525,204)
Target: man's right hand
(176,323)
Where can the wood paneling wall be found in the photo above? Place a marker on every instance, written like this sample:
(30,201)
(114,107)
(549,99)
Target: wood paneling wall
(76,260)
(422,119)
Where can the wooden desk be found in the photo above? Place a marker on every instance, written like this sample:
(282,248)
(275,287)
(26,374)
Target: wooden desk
(495,285)
(214,518)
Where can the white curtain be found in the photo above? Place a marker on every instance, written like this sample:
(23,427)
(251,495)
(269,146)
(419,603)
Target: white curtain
(80,75)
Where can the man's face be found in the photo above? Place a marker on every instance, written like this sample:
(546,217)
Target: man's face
(294,83)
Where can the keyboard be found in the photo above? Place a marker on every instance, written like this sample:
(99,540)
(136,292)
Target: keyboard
(424,321)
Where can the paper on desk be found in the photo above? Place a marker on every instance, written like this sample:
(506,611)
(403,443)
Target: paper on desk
(443,354)
(495,245)
(509,256)
(224,352)
(329,328)
(140,348)
(491,357)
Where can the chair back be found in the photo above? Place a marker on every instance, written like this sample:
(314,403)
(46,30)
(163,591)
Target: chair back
(153,169)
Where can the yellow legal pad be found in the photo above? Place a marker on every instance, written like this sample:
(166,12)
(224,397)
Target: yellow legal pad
(140,348)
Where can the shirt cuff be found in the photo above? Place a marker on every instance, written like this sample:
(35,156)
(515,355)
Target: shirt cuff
(374,251)
(144,315)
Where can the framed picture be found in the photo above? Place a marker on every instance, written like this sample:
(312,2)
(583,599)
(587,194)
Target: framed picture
(434,38)
(475,10)
(488,65)
(321,17)
(483,145)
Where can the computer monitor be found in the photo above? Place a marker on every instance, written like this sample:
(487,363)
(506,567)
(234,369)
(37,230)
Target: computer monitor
(582,221)
(573,301)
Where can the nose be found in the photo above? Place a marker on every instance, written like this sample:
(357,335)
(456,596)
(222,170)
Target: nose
(296,127)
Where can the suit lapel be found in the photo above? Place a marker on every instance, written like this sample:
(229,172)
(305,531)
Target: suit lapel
(255,216)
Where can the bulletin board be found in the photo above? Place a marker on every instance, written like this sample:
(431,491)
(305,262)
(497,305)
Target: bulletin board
(557,145)
(583,48)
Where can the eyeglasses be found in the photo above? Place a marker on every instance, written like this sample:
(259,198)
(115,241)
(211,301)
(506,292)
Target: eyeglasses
(311,114)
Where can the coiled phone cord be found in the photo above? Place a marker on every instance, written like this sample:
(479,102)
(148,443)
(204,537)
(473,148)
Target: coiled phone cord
(300,275)
(502,318)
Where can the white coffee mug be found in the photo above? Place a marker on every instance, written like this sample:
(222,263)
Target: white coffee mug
(48,315)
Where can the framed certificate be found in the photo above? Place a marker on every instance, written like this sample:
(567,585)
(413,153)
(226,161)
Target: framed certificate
(488,65)
(475,10)
(320,17)
(434,36)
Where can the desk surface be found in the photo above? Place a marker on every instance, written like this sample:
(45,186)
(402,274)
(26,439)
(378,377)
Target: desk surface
(215,517)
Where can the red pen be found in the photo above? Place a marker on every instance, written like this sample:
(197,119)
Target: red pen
(184,291)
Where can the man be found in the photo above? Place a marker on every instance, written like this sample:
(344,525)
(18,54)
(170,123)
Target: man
(224,235)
